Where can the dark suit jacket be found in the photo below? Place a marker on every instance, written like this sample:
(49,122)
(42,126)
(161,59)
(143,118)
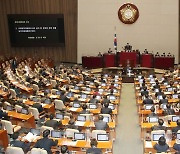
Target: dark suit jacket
(93,100)
(163,101)
(175,129)
(177,147)
(94,151)
(105,110)
(148,101)
(3,115)
(160,148)
(46,144)
(52,123)
(101,125)
(168,112)
(144,93)
(38,106)
(20,144)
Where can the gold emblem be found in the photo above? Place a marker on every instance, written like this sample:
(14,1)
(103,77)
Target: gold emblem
(128,13)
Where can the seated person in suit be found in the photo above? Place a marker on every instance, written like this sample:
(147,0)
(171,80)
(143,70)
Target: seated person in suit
(94,149)
(105,109)
(147,100)
(46,143)
(176,146)
(64,149)
(105,100)
(38,106)
(159,93)
(157,54)
(109,51)
(128,47)
(52,123)
(152,114)
(159,126)
(164,100)
(156,86)
(3,115)
(64,98)
(84,111)
(175,129)
(71,124)
(168,111)
(161,146)
(17,143)
(101,125)
(144,92)
(94,100)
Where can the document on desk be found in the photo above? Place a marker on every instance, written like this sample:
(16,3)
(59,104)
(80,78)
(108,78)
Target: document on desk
(79,123)
(30,137)
(148,144)
(73,109)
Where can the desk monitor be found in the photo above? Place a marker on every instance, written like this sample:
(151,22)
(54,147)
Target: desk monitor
(35,99)
(141,81)
(175,96)
(103,84)
(175,118)
(9,108)
(92,106)
(116,85)
(102,137)
(56,134)
(70,94)
(115,90)
(76,87)
(98,97)
(24,111)
(47,101)
(106,119)
(148,106)
(91,83)
(76,105)
(156,90)
(79,136)
(163,106)
(59,116)
(165,83)
(157,136)
(81,118)
(139,76)
(58,92)
(151,76)
(106,75)
(159,97)
(111,106)
(101,90)
(153,119)
(88,89)
(112,97)
(170,89)
(116,76)
(178,136)
(36,132)
(83,96)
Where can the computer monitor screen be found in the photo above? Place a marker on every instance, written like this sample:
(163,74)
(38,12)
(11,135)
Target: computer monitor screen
(102,137)
(56,134)
(91,83)
(153,119)
(116,76)
(148,106)
(170,89)
(47,91)
(111,106)
(58,92)
(92,106)
(151,76)
(139,76)
(157,136)
(112,97)
(70,94)
(47,101)
(156,90)
(106,75)
(83,96)
(59,116)
(35,99)
(76,105)
(106,119)
(163,106)
(175,118)
(98,97)
(35,131)
(76,87)
(103,84)
(160,97)
(88,89)
(178,136)
(9,108)
(175,96)
(165,83)
(101,90)
(115,90)
(79,136)
(141,81)
(116,85)
(24,111)
(81,118)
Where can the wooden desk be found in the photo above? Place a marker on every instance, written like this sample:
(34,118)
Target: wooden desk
(28,120)
(4,139)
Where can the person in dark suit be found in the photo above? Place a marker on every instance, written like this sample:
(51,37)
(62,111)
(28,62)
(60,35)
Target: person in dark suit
(52,123)
(156,86)
(64,98)
(105,100)
(17,143)
(94,100)
(161,146)
(168,111)
(144,92)
(101,125)
(175,129)
(64,149)
(3,115)
(105,109)
(84,111)
(159,93)
(164,100)
(159,126)
(38,106)
(45,143)
(94,149)
(152,114)
(71,124)
(176,146)
(147,100)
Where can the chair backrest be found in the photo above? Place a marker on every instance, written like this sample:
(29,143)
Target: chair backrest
(14,150)
(13,93)
(38,151)
(34,112)
(59,105)
(8,126)
(35,87)
(18,108)
(53,91)
(53,83)
(107,115)
(95,132)
(158,133)
(89,117)
(46,127)
(70,132)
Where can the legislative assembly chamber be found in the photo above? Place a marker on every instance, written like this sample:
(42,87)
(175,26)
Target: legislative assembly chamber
(89,77)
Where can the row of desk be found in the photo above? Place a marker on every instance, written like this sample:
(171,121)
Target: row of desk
(121,58)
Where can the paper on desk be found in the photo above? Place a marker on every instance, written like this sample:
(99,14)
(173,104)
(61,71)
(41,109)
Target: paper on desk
(79,123)
(30,137)
(148,144)
(73,109)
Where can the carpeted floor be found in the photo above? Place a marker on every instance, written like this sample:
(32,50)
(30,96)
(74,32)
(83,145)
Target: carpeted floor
(128,131)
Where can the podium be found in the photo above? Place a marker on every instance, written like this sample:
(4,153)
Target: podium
(164,62)
(92,61)
(109,60)
(147,60)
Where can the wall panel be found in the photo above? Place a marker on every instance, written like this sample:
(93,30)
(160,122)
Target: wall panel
(66,7)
